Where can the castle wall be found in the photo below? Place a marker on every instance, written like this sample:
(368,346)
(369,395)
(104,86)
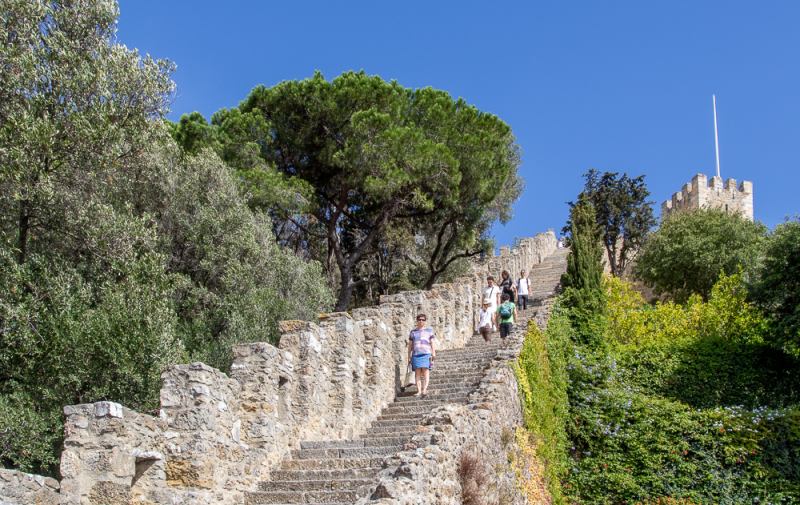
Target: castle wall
(701,194)
(217,436)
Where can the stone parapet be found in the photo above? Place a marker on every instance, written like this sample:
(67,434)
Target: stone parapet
(218,435)
(17,488)
(702,193)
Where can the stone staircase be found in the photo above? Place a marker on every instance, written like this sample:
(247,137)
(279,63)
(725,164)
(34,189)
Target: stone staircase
(545,279)
(341,471)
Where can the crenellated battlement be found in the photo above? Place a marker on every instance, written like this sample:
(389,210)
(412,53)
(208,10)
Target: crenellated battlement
(701,193)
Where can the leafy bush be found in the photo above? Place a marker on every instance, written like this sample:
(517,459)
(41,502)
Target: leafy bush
(703,354)
(541,374)
(778,292)
(237,283)
(66,340)
(685,404)
(690,250)
(727,316)
(629,445)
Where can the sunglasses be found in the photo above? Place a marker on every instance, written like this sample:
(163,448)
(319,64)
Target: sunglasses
(421,319)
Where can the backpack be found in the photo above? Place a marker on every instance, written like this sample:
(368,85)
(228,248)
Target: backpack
(506,310)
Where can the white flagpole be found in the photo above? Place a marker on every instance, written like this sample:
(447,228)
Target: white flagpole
(716,135)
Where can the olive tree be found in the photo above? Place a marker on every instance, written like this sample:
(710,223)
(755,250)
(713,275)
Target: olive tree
(71,98)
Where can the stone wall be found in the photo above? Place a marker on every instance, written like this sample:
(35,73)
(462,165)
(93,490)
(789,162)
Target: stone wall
(217,436)
(17,488)
(700,194)
(427,470)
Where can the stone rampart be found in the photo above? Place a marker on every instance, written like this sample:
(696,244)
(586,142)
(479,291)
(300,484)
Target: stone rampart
(701,193)
(217,436)
(17,488)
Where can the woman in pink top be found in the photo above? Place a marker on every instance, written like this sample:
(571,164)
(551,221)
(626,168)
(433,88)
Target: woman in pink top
(421,352)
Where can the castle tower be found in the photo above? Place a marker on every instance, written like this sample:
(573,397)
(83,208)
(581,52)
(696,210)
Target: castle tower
(701,194)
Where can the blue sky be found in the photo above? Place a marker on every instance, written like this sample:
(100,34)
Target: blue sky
(616,86)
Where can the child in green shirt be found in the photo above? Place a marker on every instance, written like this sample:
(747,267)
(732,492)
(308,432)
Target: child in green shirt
(506,315)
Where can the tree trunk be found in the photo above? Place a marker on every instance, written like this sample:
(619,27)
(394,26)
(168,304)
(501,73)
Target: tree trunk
(24,226)
(432,278)
(345,289)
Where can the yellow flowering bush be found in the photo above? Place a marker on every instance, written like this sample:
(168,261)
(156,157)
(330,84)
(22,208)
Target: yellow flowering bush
(727,315)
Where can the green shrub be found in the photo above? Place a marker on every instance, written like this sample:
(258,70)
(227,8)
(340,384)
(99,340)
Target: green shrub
(689,251)
(542,378)
(778,291)
(627,445)
(67,341)
(685,402)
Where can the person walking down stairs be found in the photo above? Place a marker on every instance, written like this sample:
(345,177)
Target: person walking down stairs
(487,321)
(421,351)
(507,315)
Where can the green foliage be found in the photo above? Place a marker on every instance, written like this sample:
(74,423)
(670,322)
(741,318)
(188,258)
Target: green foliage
(368,155)
(192,133)
(583,296)
(623,215)
(690,250)
(541,374)
(118,254)
(726,317)
(70,97)
(692,403)
(238,283)
(584,264)
(630,445)
(778,291)
(66,340)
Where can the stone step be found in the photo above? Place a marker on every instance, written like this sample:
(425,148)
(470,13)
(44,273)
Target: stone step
(440,398)
(345,473)
(425,401)
(408,417)
(350,444)
(397,420)
(465,353)
(468,368)
(463,365)
(313,485)
(362,452)
(331,464)
(421,407)
(404,430)
(305,497)
(439,388)
(445,380)
(411,391)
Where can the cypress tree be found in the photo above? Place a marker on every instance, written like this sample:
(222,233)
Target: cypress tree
(584,265)
(583,280)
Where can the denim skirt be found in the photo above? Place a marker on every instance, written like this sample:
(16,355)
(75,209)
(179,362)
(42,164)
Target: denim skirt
(420,361)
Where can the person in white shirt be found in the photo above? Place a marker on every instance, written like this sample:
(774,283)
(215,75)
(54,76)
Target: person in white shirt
(487,320)
(523,290)
(491,295)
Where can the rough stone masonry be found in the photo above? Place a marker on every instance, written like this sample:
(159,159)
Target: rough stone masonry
(217,436)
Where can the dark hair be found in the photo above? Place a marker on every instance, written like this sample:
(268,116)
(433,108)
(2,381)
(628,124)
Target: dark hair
(506,297)
(422,315)
(490,278)
(505,273)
